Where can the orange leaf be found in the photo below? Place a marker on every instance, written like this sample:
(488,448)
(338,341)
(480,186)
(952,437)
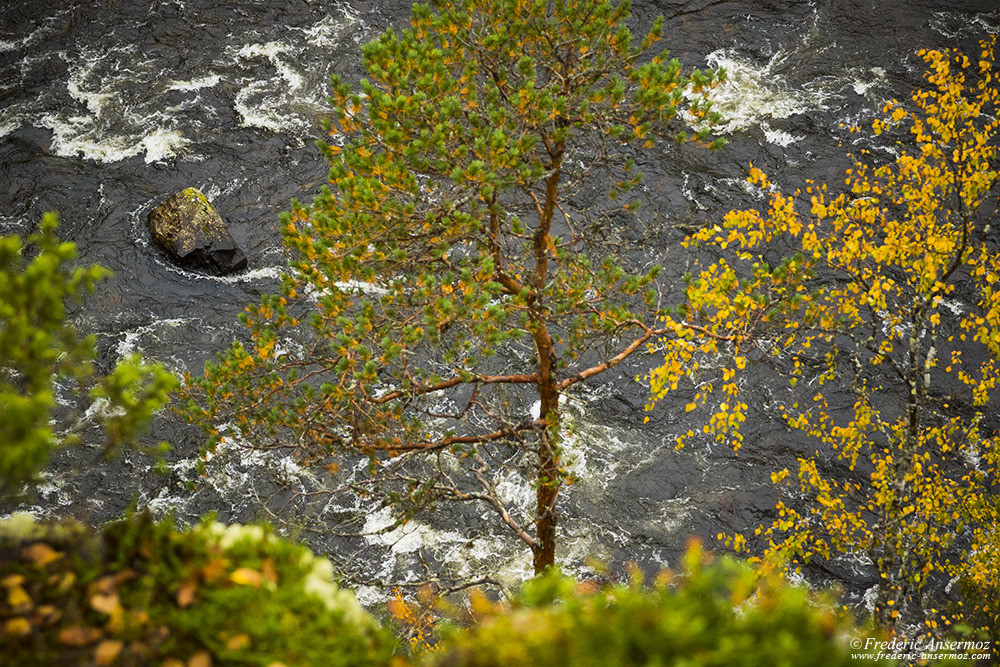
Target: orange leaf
(107,651)
(78,635)
(40,553)
(238,642)
(215,569)
(185,596)
(269,571)
(12,580)
(200,659)
(106,585)
(106,604)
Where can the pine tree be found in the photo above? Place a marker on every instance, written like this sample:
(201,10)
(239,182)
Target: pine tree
(444,263)
(38,348)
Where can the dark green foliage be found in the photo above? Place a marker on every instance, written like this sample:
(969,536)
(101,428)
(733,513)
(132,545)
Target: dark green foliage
(140,592)
(38,349)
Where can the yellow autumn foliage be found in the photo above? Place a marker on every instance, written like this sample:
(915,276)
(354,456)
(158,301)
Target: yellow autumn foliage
(892,293)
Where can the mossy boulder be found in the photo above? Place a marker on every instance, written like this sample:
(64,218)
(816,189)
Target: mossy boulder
(193,234)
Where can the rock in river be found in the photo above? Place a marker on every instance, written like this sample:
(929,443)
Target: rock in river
(189,229)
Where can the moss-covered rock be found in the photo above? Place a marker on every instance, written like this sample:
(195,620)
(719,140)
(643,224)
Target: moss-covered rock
(190,230)
(143,592)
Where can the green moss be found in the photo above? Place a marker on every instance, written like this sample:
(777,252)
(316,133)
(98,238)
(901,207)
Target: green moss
(195,196)
(146,591)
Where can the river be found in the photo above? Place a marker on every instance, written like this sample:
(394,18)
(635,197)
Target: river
(108,108)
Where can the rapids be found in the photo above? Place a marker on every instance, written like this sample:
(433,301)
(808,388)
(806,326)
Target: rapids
(108,108)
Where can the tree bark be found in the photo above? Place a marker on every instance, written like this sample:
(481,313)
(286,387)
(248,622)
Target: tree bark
(548,477)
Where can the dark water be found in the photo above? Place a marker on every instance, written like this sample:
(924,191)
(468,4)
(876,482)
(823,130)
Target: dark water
(108,108)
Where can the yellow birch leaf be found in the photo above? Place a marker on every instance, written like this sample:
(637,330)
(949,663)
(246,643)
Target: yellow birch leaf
(106,604)
(17,627)
(18,599)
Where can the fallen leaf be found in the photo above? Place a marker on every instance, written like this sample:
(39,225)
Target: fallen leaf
(66,582)
(12,580)
(46,614)
(19,599)
(107,651)
(215,569)
(40,554)
(200,659)
(247,576)
(185,596)
(78,635)
(17,627)
(106,604)
(106,585)
(125,575)
(238,642)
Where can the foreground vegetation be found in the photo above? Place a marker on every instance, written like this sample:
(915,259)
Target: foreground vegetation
(141,592)
(41,353)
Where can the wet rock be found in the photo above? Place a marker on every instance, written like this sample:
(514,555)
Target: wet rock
(189,229)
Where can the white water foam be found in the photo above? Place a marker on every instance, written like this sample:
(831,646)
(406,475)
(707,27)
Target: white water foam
(753,94)
(105,125)
(861,86)
(8,125)
(117,110)
(130,343)
(207,81)
(76,136)
(953,24)
(290,100)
